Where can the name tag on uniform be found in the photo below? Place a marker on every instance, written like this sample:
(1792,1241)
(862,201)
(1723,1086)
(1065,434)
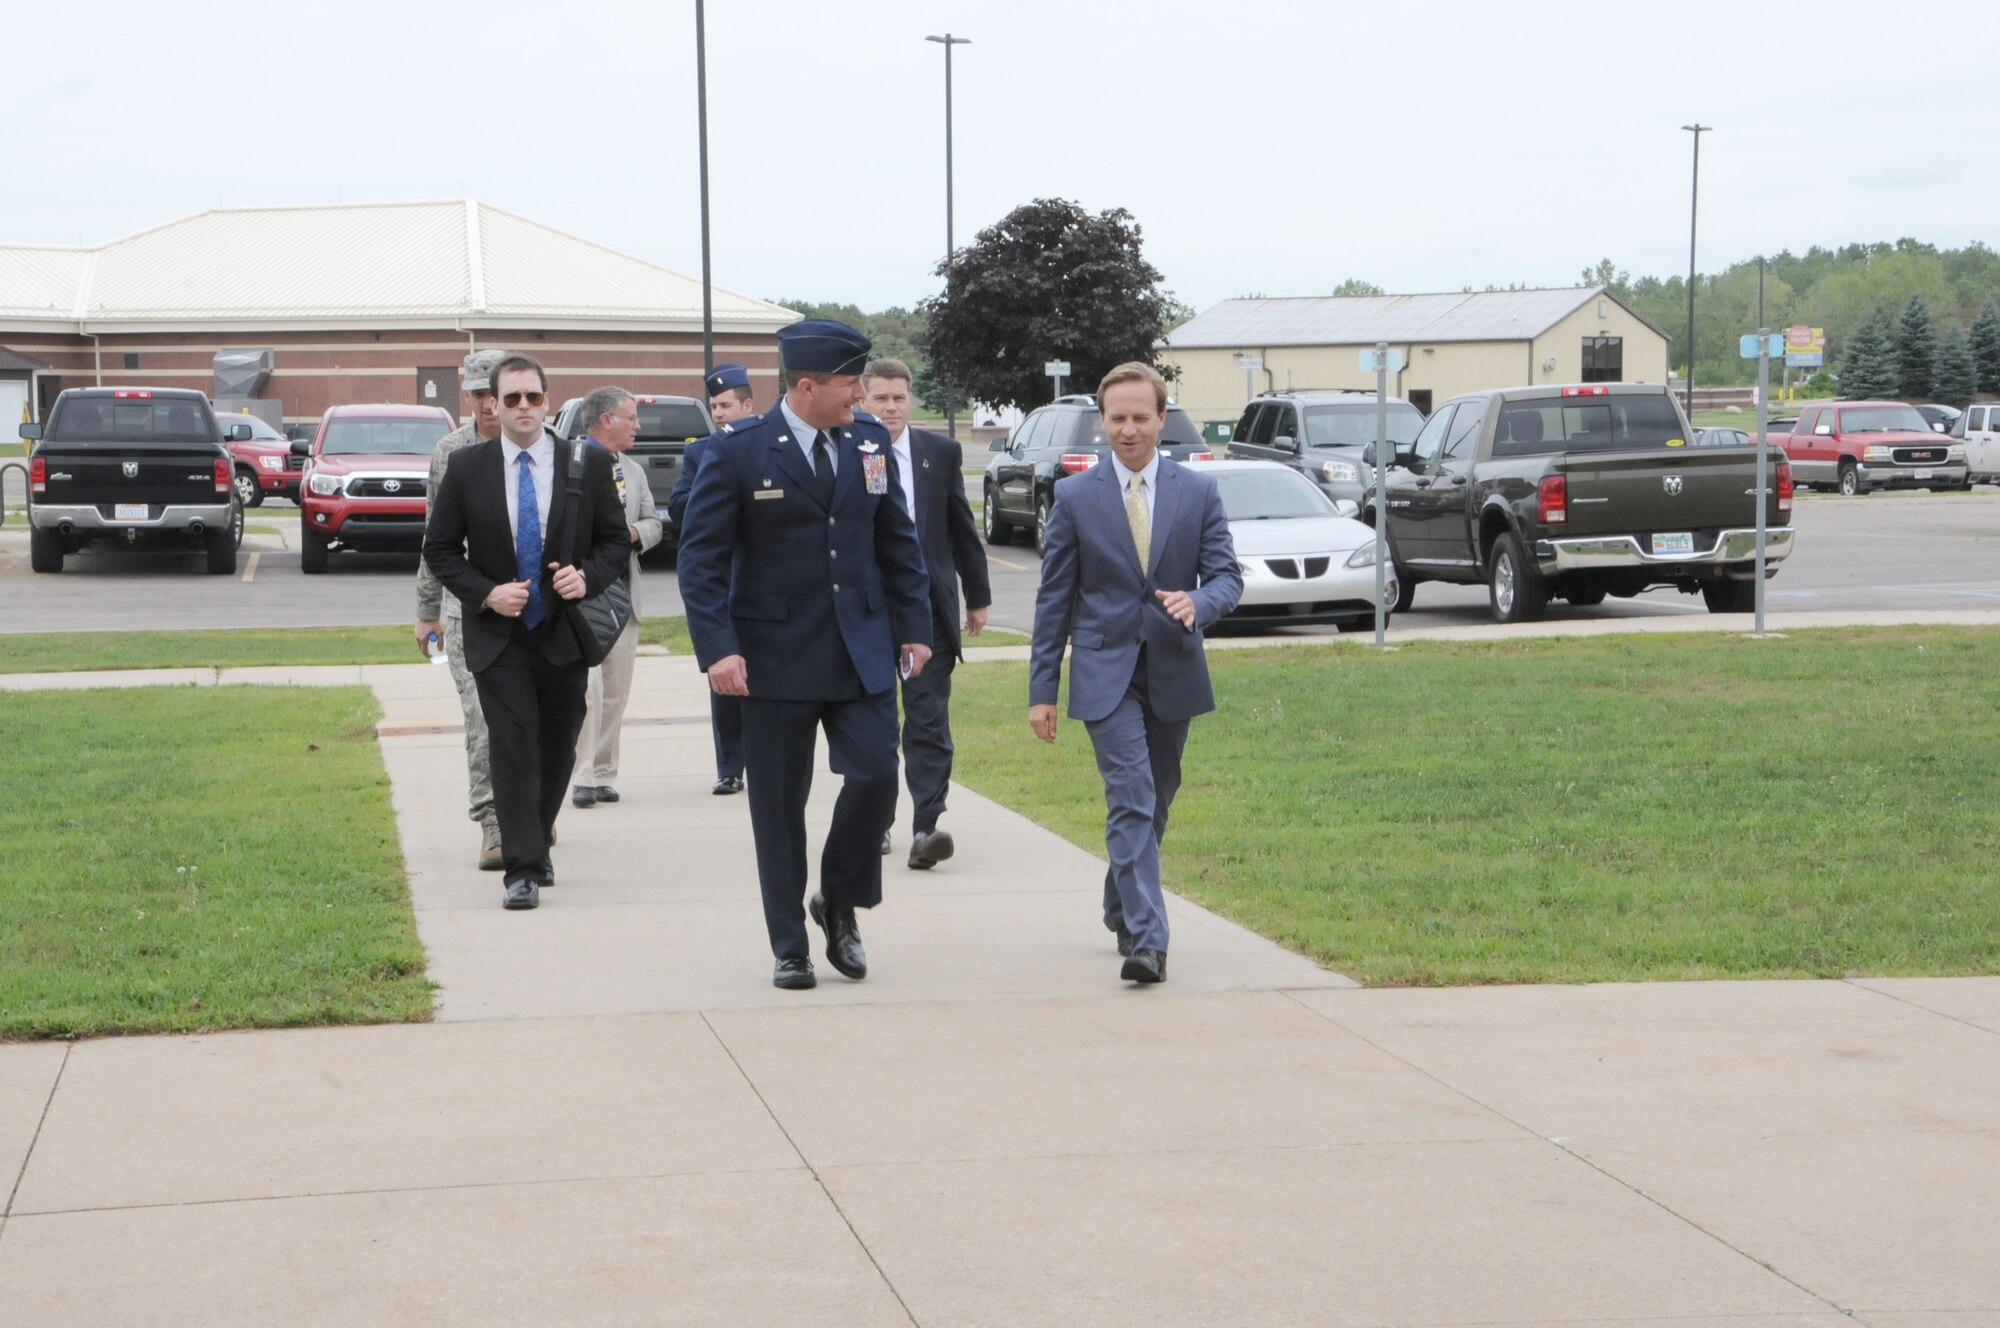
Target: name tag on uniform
(875,469)
(762,494)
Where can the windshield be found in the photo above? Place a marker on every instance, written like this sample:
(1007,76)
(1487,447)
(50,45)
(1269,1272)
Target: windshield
(358,436)
(1882,419)
(1622,422)
(1263,495)
(259,431)
(1354,426)
(672,421)
(102,419)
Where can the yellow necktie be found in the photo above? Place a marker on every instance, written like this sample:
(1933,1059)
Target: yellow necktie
(1139,518)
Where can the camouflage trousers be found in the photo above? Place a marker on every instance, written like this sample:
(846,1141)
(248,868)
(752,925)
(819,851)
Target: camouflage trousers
(478,751)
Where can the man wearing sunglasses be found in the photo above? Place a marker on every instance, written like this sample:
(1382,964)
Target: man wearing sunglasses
(806,595)
(499,532)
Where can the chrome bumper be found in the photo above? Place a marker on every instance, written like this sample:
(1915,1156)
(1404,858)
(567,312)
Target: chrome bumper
(1622,552)
(85,517)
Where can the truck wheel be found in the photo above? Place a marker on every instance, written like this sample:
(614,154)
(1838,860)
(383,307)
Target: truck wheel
(220,545)
(247,491)
(312,551)
(995,530)
(1406,592)
(45,550)
(1727,596)
(1850,481)
(1518,591)
(1042,505)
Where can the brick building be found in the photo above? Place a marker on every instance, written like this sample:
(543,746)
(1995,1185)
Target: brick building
(301,308)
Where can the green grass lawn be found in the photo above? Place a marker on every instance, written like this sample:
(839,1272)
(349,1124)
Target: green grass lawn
(1614,808)
(184,858)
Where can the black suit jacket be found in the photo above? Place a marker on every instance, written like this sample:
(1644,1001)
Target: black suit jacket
(950,538)
(469,543)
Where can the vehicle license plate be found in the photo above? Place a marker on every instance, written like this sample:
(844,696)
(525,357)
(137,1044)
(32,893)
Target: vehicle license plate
(1923,474)
(1681,543)
(128,512)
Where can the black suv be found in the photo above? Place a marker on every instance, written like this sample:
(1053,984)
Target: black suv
(1062,438)
(666,426)
(1320,434)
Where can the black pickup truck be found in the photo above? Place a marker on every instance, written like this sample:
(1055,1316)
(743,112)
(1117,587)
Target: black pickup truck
(1577,493)
(131,467)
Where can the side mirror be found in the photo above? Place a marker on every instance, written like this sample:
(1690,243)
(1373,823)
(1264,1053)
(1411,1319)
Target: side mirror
(239,433)
(1823,430)
(1285,443)
(1368,454)
(1937,426)
(300,448)
(1346,507)
(997,445)
(31,431)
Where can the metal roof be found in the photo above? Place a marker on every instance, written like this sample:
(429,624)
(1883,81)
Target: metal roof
(459,262)
(1359,320)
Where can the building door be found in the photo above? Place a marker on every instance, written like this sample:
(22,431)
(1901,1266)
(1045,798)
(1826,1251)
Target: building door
(1420,397)
(13,408)
(438,387)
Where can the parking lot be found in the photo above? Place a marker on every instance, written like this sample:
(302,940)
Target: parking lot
(1887,551)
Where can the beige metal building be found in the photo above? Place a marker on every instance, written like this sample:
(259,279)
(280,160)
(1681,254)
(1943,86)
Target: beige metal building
(1451,344)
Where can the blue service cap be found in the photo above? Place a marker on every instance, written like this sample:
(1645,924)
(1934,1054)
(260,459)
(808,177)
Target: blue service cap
(722,377)
(821,345)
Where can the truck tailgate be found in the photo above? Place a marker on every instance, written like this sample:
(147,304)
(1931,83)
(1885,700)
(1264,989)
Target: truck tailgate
(106,477)
(1667,489)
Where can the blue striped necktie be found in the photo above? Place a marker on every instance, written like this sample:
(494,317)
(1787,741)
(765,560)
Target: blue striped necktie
(528,542)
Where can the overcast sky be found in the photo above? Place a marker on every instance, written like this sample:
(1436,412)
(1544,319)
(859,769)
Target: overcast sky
(1264,146)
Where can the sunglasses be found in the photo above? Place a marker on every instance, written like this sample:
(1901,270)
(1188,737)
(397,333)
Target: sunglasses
(513,399)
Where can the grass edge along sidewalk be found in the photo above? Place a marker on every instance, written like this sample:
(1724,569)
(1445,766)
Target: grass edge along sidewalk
(184,859)
(1617,808)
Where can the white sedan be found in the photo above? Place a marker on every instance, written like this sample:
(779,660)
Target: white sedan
(1302,560)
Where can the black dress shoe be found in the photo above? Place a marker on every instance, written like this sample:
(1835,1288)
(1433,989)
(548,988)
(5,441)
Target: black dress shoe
(605,793)
(727,784)
(583,795)
(794,973)
(929,848)
(521,894)
(1124,942)
(886,844)
(843,938)
(1145,966)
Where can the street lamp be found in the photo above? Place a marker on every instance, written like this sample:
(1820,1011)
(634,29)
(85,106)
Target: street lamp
(948,41)
(701,121)
(1694,195)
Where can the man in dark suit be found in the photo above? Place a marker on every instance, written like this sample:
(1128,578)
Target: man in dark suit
(498,538)
(1139,562)
(806,595)
(931,467)
(730,402)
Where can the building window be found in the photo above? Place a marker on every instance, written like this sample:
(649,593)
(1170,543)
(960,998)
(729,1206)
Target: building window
(131,359)
(1604,359)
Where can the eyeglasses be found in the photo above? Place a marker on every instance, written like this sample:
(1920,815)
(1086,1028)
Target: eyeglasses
(513,399)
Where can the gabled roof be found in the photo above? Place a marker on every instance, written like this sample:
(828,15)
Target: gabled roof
(459,263)
(1359,320)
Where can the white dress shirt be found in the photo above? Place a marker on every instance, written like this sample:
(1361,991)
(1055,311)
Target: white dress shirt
(901,447)
(807,438)
(542,460)
(1150,474)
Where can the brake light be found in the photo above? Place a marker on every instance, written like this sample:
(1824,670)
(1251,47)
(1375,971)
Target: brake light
(222,474)
(1076,462)
(1552,501)
(1586,391)
(1201,456)
(38,474)
(124,393)
(1784,485)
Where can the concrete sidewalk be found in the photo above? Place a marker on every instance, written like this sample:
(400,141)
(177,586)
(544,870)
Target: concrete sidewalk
(616,1120)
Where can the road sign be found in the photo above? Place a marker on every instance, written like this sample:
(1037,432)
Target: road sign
(1056,368)
(1369,364)
(1773,345)
(1250,363)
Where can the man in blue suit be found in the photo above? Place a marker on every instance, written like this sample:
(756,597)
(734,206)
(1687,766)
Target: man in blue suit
(730,402)
(806,594)
(1139,563)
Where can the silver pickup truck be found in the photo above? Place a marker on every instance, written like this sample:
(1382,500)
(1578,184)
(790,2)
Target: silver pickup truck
(1577,493)
(131,467)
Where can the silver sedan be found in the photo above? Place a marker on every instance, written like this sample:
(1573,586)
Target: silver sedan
(1303,560)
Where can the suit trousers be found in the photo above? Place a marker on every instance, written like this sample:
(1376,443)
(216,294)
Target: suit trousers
(927,748)
(779,738)
(478,757)
(604,699)
(1139,757)
(725,717)
(533,711)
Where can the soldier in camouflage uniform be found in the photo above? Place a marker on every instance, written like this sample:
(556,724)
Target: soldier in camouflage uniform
(448,621)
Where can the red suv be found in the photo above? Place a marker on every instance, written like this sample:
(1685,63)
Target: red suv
(262,464)
(364,480)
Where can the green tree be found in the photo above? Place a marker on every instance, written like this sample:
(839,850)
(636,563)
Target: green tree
(1916,349)
(1048,281)
(1868,367)
(1611,277)
(1356,286)
(1986,346)
(1956,381)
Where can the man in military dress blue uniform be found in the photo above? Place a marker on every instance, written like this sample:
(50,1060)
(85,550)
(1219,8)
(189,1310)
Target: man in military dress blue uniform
(806,592)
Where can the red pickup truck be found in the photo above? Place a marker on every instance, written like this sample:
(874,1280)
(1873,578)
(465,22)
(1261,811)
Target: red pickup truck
(1855,446)
(363,486)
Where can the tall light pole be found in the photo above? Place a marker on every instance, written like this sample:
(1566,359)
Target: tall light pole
(701,122)
(948,41)
(1694,197)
